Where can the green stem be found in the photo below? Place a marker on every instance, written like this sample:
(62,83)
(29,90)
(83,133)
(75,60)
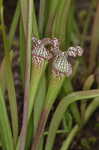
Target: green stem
(36,75)
(3,70)
(51,12)
(10,82)
(12,99)
(24,14)
(73,107)
(42,16)
(94,42)
(62,107)
(53,89)
(4,33)
(27,76)
(39,102)
(5,130)
(90,109)
(35,26)
(22,51)
(70,137)
(87,85)
(75,111)
(14,24)
(58,132)
(60,27)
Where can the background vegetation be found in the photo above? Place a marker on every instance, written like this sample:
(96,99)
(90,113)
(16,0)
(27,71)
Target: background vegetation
(73,113)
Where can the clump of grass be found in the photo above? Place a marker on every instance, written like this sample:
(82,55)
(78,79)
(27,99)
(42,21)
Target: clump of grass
(47,74)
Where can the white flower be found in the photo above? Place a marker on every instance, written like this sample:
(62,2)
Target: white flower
(39,51)
(61,66)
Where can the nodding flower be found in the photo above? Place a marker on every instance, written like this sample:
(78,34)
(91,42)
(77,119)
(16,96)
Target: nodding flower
(55,46)
(41,53)
(75,51)
(61,65)
(39,50)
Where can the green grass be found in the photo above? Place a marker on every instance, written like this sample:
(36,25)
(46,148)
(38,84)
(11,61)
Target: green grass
(42,89)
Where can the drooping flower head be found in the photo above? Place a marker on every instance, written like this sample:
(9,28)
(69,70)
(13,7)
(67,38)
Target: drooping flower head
(39,50)
(55,46)
(61,64)
(75,51)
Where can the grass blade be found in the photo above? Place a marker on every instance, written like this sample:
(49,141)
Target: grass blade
(94,41)
(91,108)
(51,12)
(59,28)
(70,137)
(34,24)
(73,107)
(12,99)
(10,82)
(2,72)
(22,51)
(42,16)
(14,24)
(87,86)
(24,12)
(5,129)
(62,107)
(27,75)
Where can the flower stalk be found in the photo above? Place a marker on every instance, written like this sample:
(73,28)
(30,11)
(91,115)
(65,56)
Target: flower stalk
(40,58)
(60,69)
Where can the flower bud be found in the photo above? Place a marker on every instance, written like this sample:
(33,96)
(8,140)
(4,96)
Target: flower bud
(61,66)
(55,46)
(75,51)
(39,51)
